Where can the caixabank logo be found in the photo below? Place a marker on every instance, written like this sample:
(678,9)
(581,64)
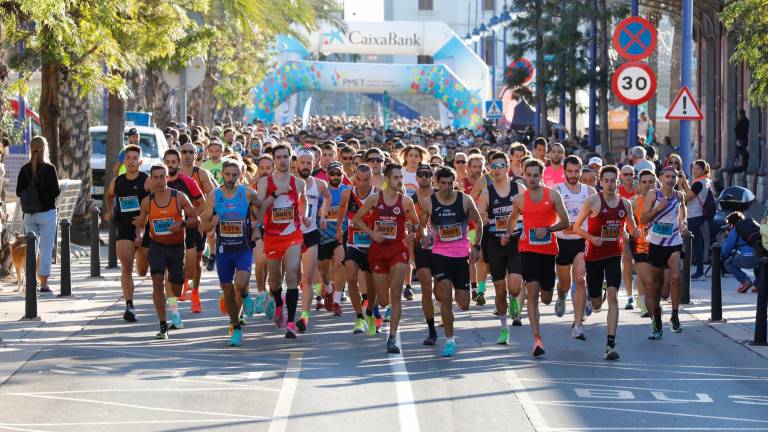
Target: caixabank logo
(357,37)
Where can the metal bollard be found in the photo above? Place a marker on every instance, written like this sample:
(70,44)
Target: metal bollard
(30,304)
(112,246)
(685,275)
(761,316)
(716,307)
(95,247)
(66,265)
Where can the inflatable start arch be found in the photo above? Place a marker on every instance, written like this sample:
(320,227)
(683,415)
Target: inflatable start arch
(459,79)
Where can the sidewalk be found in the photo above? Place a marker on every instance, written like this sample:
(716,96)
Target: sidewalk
(738,311)
(60,318)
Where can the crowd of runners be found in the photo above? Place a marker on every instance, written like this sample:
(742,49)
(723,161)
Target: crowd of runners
(343,210)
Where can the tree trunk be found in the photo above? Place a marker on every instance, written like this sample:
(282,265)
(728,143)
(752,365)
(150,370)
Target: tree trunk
(49,107)
(134,80)
(75,150)
(541,93)
(158,98)
(209,103)
(115,132)
(573,109)
(602,106)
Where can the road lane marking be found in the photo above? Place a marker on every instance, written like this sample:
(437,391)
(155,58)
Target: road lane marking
(143,390)
(406,406)
(282,410)
(530,408)
(124,405)
(119,423)
(11,428)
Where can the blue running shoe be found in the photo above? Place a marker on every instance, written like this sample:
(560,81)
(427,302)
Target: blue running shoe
(376,312)
(237,338)
(269,313)
(588,308)
(450,349)
(260,302)
(176,322)
(249,306)
(387,314)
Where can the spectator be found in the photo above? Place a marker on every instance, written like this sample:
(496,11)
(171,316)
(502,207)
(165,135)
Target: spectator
(738,254)
(37,187)
(666,148)
(642,124)
(595,163)
(742,130)
(637,159)
(696,195)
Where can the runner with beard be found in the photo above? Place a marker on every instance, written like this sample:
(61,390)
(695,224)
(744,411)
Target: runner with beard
(554,173)
(316,190)
(330,252)
(422,251)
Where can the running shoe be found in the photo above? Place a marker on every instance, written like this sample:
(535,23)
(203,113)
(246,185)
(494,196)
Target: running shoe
(560,306)
(343,295)
(236,339)
(474,294)
(329,302)
(517,322)
(336,309)
(430,340)
(196,307)
(577,332)
(249,306)
(698,276)
(302,324)
(163,333)
(450,349)
(611,354)
(643,309)
(392,347)
(319,303)
(387,314)
(359,327)
(260,302)
(176,322)
(656,332)
(379,323)
(630,303)
(514,308)
(269,312)
(222,305)
(291,331)
(674,322)
(538,348)
(130,314)
(587,309)
(280,317)
(503,338)
(408,293)
(370,325)
(211,263)
(183,296)
(480,299)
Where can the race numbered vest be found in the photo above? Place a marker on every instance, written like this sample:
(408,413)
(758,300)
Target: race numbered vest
(450,225)
(161,219)
(608,225)
(389,221)
(313,202)
(664,230)
(355,237)
(233,231)
(128,196)
(539,214)
(329,233)
(573,204)
(499,209)
(282,217)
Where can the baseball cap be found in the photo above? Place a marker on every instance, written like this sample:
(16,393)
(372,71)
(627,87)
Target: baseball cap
(595,160)
(335,166)
(133,131)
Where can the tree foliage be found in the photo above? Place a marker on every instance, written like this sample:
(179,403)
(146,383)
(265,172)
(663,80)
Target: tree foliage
(747,19)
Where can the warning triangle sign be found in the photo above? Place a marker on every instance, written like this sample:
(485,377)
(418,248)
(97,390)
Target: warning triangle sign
(493,109)
(684,107)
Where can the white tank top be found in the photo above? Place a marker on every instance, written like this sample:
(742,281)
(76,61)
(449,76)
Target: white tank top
(573,204)
(664,230)
(313,199)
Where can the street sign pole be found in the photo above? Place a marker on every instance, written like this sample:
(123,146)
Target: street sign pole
(592,85)
(561,132)
(632,132)
(183,95)
(685,78)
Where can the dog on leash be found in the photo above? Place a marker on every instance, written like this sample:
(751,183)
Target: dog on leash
(19,258)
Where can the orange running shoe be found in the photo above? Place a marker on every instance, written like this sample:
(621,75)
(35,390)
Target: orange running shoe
(197,307)
(183,296)
(223,305)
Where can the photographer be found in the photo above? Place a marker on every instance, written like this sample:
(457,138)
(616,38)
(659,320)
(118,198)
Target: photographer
(737,252)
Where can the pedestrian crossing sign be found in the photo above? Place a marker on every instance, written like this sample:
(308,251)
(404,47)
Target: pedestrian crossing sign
(493,109)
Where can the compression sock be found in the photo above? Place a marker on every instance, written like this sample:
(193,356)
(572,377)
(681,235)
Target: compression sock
(481,287)
(172,302)
(431,325)
(474,285)
(278,296)
(360,316)
(612,341)
(674,313)
(292,298)
(129,303)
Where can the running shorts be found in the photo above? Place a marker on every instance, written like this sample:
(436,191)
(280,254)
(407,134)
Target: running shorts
(539,268)
(311,238)
(194,239)
(606,269)
(568,249)
(357,256)
(167,257)
(659,255)
(228,263)
(453,269)
(386,258)
(502,260)
(125,231)
(423,259)
(275,246)
(325,251)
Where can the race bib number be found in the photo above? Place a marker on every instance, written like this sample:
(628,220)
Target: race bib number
(501,223)
(662,229)
(129,204)
(231,228)
(388,229)
(535,241)
(333,213)
(611,231)
(162,226)
(450,232)
(360,239)
(282,215)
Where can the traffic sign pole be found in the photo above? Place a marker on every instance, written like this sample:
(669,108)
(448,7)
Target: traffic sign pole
(632,132)
(685,78)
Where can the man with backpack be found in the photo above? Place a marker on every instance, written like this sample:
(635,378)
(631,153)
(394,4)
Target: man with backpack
(742,249)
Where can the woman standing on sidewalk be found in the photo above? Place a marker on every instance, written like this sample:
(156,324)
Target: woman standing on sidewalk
(696,194)
(37,188)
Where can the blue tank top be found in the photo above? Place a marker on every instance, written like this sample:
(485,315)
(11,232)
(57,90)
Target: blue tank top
(234,228)
(328,235)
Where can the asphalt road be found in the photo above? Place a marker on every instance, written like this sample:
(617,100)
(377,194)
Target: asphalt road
(113,376)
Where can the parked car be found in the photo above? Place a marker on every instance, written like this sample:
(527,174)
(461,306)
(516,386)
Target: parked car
(153,146)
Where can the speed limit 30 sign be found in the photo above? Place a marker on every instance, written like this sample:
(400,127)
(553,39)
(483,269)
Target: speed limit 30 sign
(634,83)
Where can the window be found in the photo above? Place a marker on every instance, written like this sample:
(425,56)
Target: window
(488,5)
(425,5)
(425,59)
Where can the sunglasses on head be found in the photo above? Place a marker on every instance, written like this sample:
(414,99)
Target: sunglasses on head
(460,162)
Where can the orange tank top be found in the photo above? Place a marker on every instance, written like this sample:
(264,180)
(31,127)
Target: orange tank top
(161,219)
(641,244)
(539,214)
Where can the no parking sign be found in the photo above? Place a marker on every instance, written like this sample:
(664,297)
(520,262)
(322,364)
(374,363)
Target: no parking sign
(634,38)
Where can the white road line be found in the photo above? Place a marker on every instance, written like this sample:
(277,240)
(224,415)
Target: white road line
(142,390)
(529,406)
(118,423)
(652,428)
(287,392)
(174,410)
(406,406)
(11,428)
